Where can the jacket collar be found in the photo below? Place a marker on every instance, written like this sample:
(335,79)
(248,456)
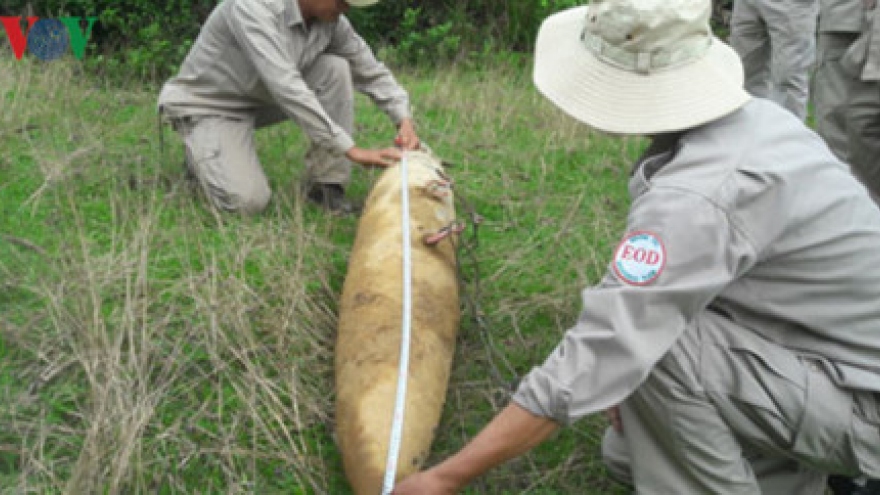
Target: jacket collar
(661,150)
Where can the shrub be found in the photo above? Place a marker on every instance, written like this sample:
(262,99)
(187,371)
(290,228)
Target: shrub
(148,38)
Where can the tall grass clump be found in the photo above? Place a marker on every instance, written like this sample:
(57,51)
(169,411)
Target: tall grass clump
(149,344)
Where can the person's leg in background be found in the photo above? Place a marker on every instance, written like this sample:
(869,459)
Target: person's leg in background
(791,25)
(831,85)
(750,39)
(863,133)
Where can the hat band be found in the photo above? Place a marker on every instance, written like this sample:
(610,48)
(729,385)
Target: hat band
(645,62)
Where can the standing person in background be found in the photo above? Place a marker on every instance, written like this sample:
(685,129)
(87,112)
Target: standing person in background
(776,40)
(735,338)
(261,62)
(846,89)
(846,99)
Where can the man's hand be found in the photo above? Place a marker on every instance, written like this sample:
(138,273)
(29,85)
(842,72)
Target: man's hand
(514,431)
(406,135)
(384,157)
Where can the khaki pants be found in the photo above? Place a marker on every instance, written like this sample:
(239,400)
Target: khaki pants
(848,111)
(830,88)
(220,150)
(727,412)
(863,133)
(776,41)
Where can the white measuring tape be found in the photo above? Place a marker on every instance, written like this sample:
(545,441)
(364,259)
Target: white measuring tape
(406,331)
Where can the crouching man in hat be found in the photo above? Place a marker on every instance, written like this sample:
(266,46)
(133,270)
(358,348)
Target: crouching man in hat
(260,62)
(735,339)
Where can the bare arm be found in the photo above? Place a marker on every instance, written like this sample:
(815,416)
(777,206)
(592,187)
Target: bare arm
(513,432)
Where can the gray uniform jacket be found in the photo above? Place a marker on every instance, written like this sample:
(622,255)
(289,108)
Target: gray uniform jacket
(750,222)
(249,56)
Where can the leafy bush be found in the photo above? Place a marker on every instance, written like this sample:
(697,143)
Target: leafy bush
(150,38)
(147,37)
(418,46)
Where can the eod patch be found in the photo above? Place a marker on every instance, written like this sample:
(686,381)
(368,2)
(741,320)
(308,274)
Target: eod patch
(639,258)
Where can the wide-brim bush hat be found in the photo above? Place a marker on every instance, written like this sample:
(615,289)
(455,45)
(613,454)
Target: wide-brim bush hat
(361,3)
(638,66)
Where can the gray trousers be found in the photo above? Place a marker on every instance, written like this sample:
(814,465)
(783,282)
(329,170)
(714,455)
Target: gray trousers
(776,41)
(727,412)
(848,111)
(220,150)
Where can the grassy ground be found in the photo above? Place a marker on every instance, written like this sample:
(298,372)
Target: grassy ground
(151,345)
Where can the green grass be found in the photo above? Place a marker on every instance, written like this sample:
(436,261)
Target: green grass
(151,345)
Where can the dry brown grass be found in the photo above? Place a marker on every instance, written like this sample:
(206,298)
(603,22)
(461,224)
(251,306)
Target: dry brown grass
(154,344)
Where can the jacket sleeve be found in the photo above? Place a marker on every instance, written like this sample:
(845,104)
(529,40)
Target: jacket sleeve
(255,28)
(370,76)
(634,316)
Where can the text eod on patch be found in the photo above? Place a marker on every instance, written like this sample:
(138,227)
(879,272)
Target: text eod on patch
(48,39)
(639,258)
